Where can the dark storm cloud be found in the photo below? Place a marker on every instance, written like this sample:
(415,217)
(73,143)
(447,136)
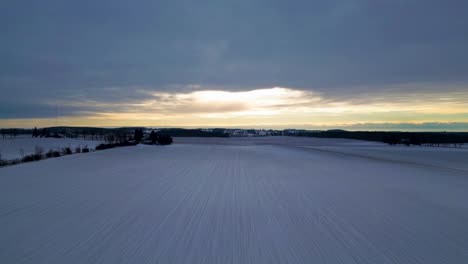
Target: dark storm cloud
(38,110)
(61,50)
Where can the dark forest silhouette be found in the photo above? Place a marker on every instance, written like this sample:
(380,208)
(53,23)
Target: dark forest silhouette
(120,135)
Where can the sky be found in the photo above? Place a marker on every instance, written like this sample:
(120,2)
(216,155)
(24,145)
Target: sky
(350,64)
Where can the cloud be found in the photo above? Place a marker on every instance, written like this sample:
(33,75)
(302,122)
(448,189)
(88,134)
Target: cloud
(61,45)
(40,110)
(274,106)
(361,59)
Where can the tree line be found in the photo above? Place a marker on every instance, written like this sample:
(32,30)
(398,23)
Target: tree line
(97,133)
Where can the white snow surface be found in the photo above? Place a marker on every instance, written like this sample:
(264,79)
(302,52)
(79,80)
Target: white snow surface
(238,201)
(12,148)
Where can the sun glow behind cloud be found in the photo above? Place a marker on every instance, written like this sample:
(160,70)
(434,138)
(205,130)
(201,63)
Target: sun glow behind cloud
(260,102)
(275,107)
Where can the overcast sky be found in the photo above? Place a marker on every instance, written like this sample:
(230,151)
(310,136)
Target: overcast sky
(328,63)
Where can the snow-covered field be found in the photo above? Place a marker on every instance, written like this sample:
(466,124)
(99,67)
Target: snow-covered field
(269,200)
(15,148)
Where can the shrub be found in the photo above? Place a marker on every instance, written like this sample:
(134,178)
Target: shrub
(52,154)
(164,140)
(67,151)
(49,154)
(32,157)
(85,149)
(125,144)
(27,158)
(77,150)
(2,162)
(104,146)
(121,144)
(38,154)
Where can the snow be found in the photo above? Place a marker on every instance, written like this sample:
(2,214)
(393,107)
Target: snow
(268,200)
(454,158)
(12,148)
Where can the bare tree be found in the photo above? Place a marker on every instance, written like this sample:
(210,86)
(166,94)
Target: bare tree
(35,132)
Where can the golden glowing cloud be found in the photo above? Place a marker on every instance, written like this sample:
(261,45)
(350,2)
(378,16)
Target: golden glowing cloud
(275,106)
